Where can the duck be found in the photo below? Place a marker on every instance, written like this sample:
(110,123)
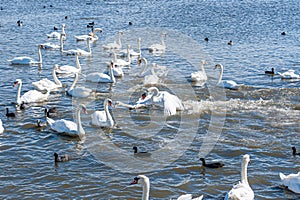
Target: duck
(103,118)
(114,45)
(199,75)
(158,48)
(229,84)
(9,114)
(140,153)
(62,158)
(20,23)
(145,182)
(67,127)
(291,182)
(206,39)
(295,152)
(270,72)
(25,60)
(91,36)
(290,74)
(46,84)
(242,190)
(31,96)
(1,127)
(211,165)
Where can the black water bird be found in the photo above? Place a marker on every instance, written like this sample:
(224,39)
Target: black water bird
(62,158)
(211,165)
(10,114)
(206,39)
(283,33)
(230,43)
(270,72)
(20,23)
(140,153)
(295,152)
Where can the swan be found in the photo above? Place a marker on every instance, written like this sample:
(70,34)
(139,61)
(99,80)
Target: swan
(199,75)
(242,190)
(67,69)
(295,152)
(57,35)
(159,48)
(62,158)
(145,182)
(80,92)
(80,52)
(1,127)
(46,83)
(226,84)
(103,118)
(133,53)
(120,62)
(170,102)
(211,165)
(50,46)
(98,77)
(68,127)
(114,45)
(32,96)
(151,79)
(290,74)
(292,182)
(91,36)
(24,60)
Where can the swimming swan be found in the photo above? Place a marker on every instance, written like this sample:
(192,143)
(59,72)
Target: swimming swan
(242,190)
(290,74)
(103,118)
(73,52)
(159,48)
(67,69)
(199,75)
(98,77)
(24,60)
(229,84)
(31,96)
(80,92)
(68,127)
(114,45)
(91,36)
(46,84)
(292,181)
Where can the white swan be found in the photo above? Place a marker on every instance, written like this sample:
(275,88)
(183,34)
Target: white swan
(290,74)
(229,84)
(199,75)
(120,62)
(103,118)
(80,92)
(1,127)
(242,190)
(45,83)
(73,52)
(50,46)
(159,48)
(169,102)
(91,36)
(98,77)
(151,79)
(67,69)
(57,35)
(144,181)
(68,127)
(124,52)
(114,45)
(292,181)
(24,60)
(31,96)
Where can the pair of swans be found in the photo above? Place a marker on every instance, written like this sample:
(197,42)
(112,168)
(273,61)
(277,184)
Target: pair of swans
(199,76)
(145,182)
(56,35)
(79,92)
(292,181)
(25,60)
(103,118)
(67,127)
(159,48)
(242,190)
(114,45)
(67,69)
(229,84)
(73,52)
(98,77)
(91,36)
(290,74)
(169,102)
(31,96)
(46,84)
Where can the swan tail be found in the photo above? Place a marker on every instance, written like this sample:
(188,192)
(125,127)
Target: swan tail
(282,176)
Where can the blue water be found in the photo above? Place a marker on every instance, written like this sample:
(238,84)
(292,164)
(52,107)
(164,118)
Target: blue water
(260,119)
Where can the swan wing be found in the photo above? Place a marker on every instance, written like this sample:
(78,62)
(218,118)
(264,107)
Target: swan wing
(53,35)
(230,84)
(45,84)
(64,126)
(198,76)
(34,96)
(22,60)
(98,78)
(80,92)
(67,69)
(99,118)
(291,181)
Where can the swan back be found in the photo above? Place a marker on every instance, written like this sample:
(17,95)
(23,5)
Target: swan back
(1,127)
(292,181)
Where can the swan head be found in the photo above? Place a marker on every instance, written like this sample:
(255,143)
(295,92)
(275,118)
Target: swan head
(55,67)
(218,66)
(17,82)
(120,33)
(203,62)
(142,179)
(98,30)
(246,158)
(83,108)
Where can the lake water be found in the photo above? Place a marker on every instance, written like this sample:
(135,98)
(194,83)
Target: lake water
(260,119)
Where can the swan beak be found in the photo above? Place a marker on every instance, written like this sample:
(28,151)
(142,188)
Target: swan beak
(215,67)
(16,83)
(84,111)
(135,181)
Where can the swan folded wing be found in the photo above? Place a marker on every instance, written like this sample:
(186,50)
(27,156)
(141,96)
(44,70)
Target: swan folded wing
(65,69)
(80,92)
(34,96)
(99,118)
(45,84)
(189,197)
(64,126)
(240,191)
(98,77)
(292,181)
(21,60)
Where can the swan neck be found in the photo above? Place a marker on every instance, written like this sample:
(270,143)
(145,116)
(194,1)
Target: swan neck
(139,46)
(56,80)
(108,115)
(40,55)
(146,189)
(111,74)
(152,69)
(80,130)
(202,67)
(221,75)
(77,62)
(61,44)
(163,40)
(119,39)
(19,94)
(244,172)
(89,46)
(74,82)
(144,66)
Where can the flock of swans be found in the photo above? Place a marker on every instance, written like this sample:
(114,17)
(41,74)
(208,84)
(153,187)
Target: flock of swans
(102,118)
